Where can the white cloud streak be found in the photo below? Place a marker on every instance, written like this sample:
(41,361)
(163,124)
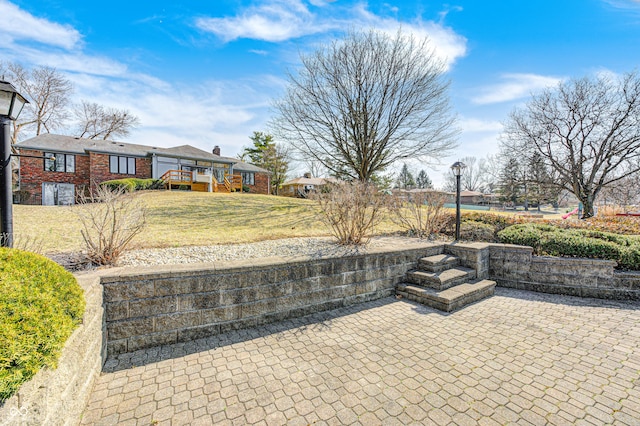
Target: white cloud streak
(514,86)
(280,20)
(18,24)
(276,21)
(472,125)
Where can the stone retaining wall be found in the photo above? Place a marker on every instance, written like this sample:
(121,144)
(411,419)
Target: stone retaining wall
(155,306)
(515,266)
(58,397)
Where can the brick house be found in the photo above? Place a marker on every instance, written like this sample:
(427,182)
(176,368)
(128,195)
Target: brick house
(55,168)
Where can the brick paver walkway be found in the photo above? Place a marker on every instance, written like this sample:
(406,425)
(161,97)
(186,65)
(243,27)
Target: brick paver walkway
(519,357)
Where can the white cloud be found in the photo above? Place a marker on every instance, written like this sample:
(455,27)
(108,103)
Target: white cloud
(624,4)
(273,21)
(476,125)
(280,20)
(514,86)
(18,24)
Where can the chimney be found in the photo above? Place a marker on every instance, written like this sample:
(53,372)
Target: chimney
(216,150)
(307,175)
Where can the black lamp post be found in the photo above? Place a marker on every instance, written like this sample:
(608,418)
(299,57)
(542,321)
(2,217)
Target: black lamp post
(457,171)
(11,104)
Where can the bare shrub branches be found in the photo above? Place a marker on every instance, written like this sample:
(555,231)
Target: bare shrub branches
(420,213)
(352,210)
(110,220)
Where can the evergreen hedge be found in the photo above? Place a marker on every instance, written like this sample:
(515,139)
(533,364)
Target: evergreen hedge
(554,241)
(132,184)
(40,306)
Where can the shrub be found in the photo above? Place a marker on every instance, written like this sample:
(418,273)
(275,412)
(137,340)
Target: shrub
(471,230)
(110,220)
(40,306)
(493,222)
(554,241)
(132,184)
(420,214)
(351,210)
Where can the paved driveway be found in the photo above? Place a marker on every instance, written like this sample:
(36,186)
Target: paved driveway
(519,357)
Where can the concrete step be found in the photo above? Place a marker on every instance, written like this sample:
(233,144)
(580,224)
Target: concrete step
(438,263)
(450,299)
(441,280)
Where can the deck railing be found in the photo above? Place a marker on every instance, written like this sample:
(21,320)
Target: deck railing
(233,182)
(177,177)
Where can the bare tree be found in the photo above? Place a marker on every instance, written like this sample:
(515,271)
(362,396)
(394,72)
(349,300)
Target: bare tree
(96,121)
(489,169)
(365,102)
(624,193)
(48,92)
(587,131)
(470,179)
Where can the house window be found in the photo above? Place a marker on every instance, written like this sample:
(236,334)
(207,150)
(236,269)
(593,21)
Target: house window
(122,165)
(248,178)
(59,162)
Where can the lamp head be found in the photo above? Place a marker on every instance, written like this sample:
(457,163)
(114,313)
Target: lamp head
(457,168)
(11,102)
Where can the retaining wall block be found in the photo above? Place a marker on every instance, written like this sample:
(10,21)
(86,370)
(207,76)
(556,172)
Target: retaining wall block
(177,321)
(130,327)
(135,343)
(116,292)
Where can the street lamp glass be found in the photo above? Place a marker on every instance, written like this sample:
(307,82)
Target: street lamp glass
(457,168)
(5,102)
(11,102)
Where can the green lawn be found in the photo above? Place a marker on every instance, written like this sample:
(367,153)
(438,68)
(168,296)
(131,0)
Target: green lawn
(183,218)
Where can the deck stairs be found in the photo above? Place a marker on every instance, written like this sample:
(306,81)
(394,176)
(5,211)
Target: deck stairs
(442,283)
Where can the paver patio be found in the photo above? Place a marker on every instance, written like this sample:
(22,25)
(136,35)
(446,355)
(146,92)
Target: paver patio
(519,357)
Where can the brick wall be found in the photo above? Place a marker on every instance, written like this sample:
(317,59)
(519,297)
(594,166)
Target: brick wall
(33,174)
(90,170)
(100,169)
(261,183)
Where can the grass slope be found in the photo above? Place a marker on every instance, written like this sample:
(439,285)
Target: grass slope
(184,218)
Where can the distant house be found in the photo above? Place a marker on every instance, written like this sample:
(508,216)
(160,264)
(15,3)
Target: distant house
(471,197)
(55,168)
(303,186)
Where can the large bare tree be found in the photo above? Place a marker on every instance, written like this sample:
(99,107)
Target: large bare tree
(48,92)
(587,130)
(365,102)
(96,121)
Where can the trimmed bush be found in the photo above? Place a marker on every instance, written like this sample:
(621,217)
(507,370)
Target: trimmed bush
(554,241)
(132,184)
(40,306)
(471,230)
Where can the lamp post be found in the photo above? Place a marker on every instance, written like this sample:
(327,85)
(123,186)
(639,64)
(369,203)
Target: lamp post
(457,171)
(11,104)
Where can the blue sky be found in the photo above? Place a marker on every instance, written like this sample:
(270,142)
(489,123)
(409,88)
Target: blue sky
(205,73)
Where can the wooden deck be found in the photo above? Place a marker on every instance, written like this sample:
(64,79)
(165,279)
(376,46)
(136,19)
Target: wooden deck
(179,179)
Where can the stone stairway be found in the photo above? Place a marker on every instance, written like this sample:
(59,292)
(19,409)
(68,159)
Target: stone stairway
(441,283)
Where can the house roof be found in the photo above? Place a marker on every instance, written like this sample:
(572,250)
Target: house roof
(470,193)
(69,144)
(308,181)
